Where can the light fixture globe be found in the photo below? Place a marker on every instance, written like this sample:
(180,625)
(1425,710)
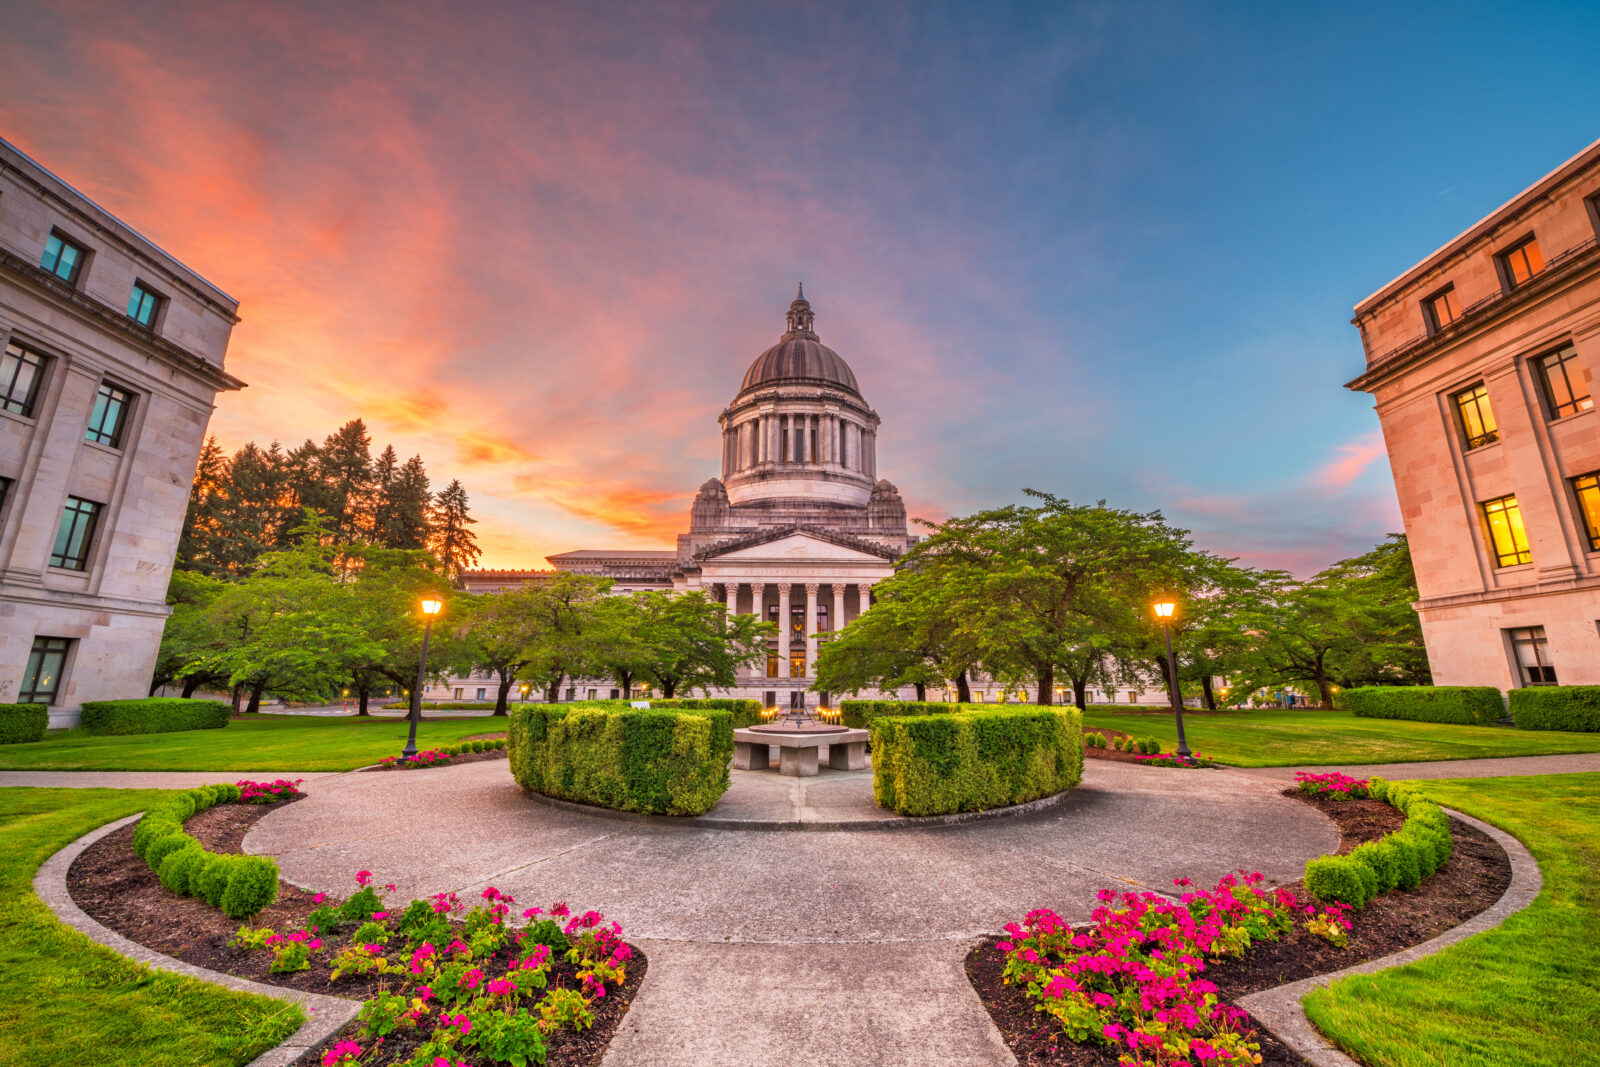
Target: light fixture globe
(431,606)
(1164,608)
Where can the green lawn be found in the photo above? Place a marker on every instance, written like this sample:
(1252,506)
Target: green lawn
(1522,993)
(64,999)
(1289,738)
(265,743)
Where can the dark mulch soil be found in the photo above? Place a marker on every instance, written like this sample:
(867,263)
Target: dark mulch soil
(465,757)
(1476,875)
(114,886)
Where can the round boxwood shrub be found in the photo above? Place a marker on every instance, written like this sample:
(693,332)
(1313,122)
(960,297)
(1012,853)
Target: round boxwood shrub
(211,880)
(1339,879)
(179,867)
(1380,858)
(155,824)
(1408,861)
(252,885)
(162,847)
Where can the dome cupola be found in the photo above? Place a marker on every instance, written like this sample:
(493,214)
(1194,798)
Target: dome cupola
(800,356)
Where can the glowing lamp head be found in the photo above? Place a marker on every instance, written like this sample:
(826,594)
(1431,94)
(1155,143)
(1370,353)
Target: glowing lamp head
(1164,609)
(431,606)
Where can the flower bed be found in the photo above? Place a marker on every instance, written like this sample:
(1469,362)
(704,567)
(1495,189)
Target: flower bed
(489,748)
(268,792)
(1285,944)
(1334,786)
(1172,759)
(239,885)
(115,888)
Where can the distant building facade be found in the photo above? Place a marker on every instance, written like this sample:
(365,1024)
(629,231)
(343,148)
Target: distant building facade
(1482,359)
(798,529)
(113,356)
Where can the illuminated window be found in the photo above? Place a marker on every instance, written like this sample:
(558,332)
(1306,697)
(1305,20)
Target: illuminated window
(143,304)
(1441,309)
(1521,263)
(21,373)
(1587,489)
(41,681)
(1566,382)
(1532,655)
(977,696)
(110,414)
(1507,539)
(1131,697)
(75,534)
(797,665)
(1477,419)
(62,258)
(772,664)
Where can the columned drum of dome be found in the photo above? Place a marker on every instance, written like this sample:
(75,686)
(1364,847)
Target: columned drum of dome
(799,428)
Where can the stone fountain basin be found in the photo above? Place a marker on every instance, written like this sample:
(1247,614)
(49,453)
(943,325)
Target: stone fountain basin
(797,747)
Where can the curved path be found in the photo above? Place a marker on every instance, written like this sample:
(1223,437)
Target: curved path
(833,947)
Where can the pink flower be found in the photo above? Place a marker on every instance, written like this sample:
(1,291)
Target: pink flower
(501,987)
(363,878)
(560,911)
(470,980)
(319,898)
(425,992)
(379,916)
(339,1052)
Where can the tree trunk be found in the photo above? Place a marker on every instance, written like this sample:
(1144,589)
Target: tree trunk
(668,687)
(363,690)
(625,679)
(505,691)
(1205,689)
(190,685)
(1080,688)
(552,692)
(963,688)
(238,697)
(922,690)
(254,707)
(1047,684)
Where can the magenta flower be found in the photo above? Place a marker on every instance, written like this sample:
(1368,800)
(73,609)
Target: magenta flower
(363,878)
(502,987)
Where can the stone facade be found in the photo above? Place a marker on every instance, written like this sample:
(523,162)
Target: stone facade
(104,399)
(1481,359)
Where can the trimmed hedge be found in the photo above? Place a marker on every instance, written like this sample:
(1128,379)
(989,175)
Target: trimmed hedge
(1469,705)
(21,723)
(240,885)
(1400,860)
(973,760)
(860,714)
(1557,707)
(660,761)
(745,712)
(153,715)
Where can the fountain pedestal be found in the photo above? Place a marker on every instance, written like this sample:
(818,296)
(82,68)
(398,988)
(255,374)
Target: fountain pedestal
(797,748)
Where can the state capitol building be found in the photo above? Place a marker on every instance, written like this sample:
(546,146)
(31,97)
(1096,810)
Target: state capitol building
(798,528)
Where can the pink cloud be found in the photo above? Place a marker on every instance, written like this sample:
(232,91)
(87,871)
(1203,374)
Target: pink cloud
(1351,461)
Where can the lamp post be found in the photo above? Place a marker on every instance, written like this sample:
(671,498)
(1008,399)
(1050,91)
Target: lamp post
(1164,610)
(430,608)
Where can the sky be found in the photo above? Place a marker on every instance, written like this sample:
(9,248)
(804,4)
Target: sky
(1104,250)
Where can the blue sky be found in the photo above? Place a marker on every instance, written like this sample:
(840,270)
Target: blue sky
(1106,250)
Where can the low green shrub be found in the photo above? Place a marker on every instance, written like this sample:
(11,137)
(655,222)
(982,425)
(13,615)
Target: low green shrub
(179,867)
(661,761)
(745,712)
(1471,705)
(1147,746)
(1557,707)
(859,714)
(162,847)
(1094,740)
(976,759)
(1339,879)
(22,723)
(1382,857)
(252,885)
(211,880)
(153,715)
(183,864)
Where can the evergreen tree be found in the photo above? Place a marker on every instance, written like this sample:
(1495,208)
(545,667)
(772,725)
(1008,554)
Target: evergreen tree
(452,543)
(203,530)
(403,509)
(344,476)
(250,509)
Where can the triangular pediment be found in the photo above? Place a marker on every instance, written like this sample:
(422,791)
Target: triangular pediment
(797,543)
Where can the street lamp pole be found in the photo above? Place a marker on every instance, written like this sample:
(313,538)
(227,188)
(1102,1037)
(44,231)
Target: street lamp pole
(430,608)
(1164,611)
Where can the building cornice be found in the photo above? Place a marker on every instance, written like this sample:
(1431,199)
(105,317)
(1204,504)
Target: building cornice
(107,317)
(1563,270)
(1515,592)
(777,533)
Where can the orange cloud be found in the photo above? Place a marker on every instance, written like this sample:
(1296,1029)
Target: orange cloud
(1352,460)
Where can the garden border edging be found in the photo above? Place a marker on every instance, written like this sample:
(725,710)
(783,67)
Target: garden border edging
(1279,1009)
(325,1015)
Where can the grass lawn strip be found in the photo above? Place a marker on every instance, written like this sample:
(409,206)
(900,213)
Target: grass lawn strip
(1276,738)
(64,999)
(1522,993)
(265,743)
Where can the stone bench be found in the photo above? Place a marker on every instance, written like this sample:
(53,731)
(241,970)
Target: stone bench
(797,751)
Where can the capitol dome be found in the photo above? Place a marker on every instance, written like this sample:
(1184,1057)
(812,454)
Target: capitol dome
(800,356)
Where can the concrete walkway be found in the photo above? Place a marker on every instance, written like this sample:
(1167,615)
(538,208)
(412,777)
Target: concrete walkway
(1464,768)
(149,779)
(840,947)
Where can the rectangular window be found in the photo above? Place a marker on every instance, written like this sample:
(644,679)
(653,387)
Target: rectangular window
(143,304)
(616,693)
(62,258)
(5,491)
(482,693)
(42,679)
(458,693)
(772,664)
(76,534)
(109,416)
(1566,382)
(1477,419)
(769,698)
(572,693)
(797,664)
(977,696)
(1441,309)
(1532,654)
(1521,262)
(21,374)
(1508,541)
(1587,490)
(593,694)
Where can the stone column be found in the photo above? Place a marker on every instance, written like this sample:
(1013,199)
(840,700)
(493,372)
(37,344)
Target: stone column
(811,629)
(731,591)
(836,623)
(783,629)
(863,591)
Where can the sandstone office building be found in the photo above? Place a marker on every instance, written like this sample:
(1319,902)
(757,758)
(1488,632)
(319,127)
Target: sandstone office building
(1483,359)
(113,356)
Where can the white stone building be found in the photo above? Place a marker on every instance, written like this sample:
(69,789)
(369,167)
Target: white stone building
(797,530)
(113,356)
